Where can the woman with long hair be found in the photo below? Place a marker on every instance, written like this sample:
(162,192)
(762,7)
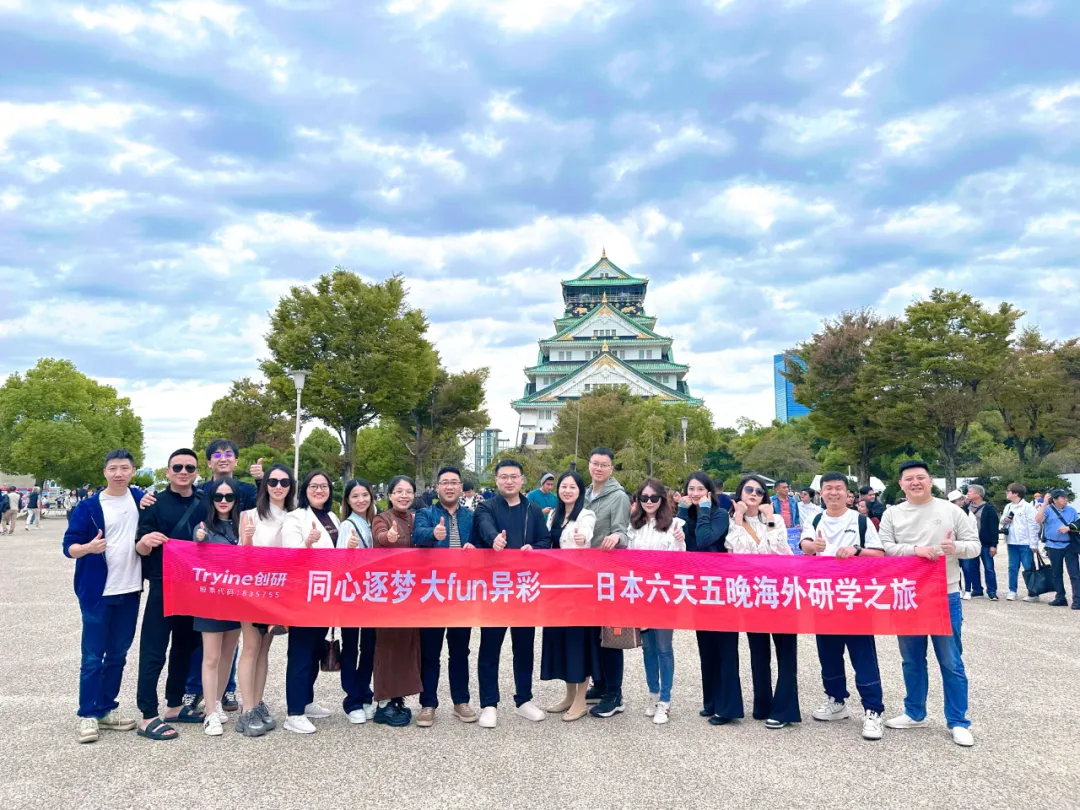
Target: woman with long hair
(570,654)
(358,644)
(653,527)
(312,525)
(261,526)
(219,636)
(758,529)
(397,653)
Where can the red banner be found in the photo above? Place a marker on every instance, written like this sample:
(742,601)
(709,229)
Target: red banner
(441,588)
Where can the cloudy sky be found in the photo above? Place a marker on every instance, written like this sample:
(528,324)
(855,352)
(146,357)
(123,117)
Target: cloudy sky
(168,169)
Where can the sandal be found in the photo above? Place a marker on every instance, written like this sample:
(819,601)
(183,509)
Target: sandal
(187,715)
(158,730)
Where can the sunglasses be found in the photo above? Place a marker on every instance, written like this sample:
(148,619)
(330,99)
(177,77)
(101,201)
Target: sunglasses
(226,497)
(754,491)
(177,468)
(278,482)
(650,498)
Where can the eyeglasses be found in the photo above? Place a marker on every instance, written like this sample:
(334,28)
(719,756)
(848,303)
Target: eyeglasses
(278,482)
(754,491)
(397,492)
(600,465)
(449,483)
(178,468)
(226,455)
(318,487)
(227,497)
(650,498)
(508,478)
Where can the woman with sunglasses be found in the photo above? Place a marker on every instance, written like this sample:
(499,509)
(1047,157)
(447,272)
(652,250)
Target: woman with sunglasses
(312,525)
(261,526)
(358,644)
(653,527)
(571,654)
(219,636)
(397,654)
(757,529)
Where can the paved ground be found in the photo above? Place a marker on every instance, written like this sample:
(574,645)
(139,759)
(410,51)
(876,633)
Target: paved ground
(1023,661)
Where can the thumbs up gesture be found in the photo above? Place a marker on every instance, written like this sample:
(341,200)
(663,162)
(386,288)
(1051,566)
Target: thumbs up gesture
(247,530)
(579,539)
(819,543)
(440,530)
(200,532)
(500,541)
(313,535)
(948,546)
(256,470)
(392,534)
(97,545)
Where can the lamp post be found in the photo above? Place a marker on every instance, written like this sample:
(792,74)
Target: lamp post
(299,376)
(685,423)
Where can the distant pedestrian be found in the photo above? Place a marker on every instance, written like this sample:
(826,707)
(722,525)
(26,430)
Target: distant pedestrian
(1057,517)
(986,522)
(785,504)
(7,521)
(33,509)
(1022,536)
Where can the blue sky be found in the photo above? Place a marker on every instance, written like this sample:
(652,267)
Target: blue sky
(168,169)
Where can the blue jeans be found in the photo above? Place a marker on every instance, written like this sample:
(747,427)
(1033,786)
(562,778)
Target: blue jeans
(659,662)
(972,573)
(194,680)
(431,646)
(108,630)
(1018,555)
(949,651)
(863,653)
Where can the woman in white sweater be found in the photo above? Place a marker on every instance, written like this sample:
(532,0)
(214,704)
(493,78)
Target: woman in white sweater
(757,529)
(654,527)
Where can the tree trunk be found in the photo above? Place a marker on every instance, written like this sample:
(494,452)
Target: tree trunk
(348,441)
(948,447)
(862,468)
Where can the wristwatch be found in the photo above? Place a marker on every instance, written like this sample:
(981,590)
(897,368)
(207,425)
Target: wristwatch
(858,550)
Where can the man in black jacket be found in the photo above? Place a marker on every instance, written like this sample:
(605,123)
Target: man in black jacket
(508,521)
(986,519)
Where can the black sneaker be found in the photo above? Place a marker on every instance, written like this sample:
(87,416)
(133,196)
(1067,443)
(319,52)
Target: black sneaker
(393,714)
(717,720)
(611,704)
(993,598)
(229,702)
(1059,603)
(593,695)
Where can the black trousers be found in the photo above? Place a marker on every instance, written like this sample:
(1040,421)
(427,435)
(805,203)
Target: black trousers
(357,666)
(487,663)
(721,686)
(611,668)
(783,703)
(431,646)
(302,667)
(154,642)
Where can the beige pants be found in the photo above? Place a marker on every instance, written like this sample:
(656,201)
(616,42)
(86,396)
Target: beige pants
(7,523)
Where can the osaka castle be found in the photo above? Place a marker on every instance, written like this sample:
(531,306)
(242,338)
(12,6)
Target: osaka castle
(603,339)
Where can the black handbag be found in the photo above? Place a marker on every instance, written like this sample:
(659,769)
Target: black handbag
(330,660)
(1039,579)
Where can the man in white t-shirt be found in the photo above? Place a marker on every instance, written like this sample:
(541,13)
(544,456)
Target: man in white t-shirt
(843,533)
(100,537)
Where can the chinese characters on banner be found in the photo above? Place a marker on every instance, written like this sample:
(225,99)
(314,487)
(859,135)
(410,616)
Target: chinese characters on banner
(442,588)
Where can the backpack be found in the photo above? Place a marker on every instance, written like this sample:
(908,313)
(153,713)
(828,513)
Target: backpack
(862,527)
(5,502)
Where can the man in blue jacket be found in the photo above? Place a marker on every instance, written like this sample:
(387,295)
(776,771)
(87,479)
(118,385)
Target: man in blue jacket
(785,504)
(444,524)
(100,537)
(508,521)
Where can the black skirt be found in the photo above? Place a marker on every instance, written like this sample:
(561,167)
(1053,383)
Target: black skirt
(570,654)
(214,625)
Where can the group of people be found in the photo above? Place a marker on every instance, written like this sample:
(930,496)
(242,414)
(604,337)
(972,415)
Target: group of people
(117,536)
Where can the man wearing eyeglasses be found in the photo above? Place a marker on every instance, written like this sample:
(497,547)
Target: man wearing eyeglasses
(175,514)
(508,521)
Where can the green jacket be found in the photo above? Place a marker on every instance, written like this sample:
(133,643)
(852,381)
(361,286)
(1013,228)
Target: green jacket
(612,510)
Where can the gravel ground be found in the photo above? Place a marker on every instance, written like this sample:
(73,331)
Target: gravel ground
(1021,659)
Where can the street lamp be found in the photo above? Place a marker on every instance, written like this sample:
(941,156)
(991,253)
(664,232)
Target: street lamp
(299,376)
(685,422)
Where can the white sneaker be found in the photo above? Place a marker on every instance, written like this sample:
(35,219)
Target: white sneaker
(1011,597)
(299,724)
(212,725)
(489,717)
(221,714)
(88,730)
(1030,598)
(963,736)
(315,711)
(357,717)
(530,711)
(369,710)
(832,709)
(871,727)
(650,707)
(903,721)
(660,717)
(967,595)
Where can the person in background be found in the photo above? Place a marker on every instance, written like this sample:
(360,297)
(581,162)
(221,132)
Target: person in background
(543,496)
(33,509)
(445,524)
(571,654)
(1054,516)
(756,529)
(924,526)
(263,527)
(808,508)
(785,504)
(652,528)
(397,652)
(469,498)
(1022,536)
(7,524)
(863,508)
(100,537)
(843,534)
(986,521)
(358,643)
(312,525)
(851,500)
(874,507)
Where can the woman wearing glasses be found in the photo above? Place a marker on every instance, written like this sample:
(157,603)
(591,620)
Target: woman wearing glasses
(397,654)
(261,526)
(312,525)
(358,644)
(219,636)
(757,529)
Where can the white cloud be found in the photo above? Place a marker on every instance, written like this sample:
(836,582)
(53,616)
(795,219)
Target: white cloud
(763,206)
(395,159)
(11,198)
(483,143)
(857,89)
(185,21)
(78,116)
(501,108)
(672,142)
(932,219)
(510,15)
(793,131)
(1055,225)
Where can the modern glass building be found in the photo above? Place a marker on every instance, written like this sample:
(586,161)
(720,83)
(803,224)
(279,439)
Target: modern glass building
(786,406)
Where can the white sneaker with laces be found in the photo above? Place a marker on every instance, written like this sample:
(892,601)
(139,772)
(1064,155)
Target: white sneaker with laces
(300,724)
(1011,597)
(315,711)
(369,710)
(967,595)
(903,721)
(530,711)
(832,709)
(963,736)
(872,726)
(88,730)
(221,714)
(650,707)
(212,725)
(489,717)
(1030,598)
(357,717)
(661,715)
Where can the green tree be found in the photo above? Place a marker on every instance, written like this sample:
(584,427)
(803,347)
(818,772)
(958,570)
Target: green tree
(321,451)
(378,454)
(362,343)
(598,419)
(782,455)
(251,413)
(57,423)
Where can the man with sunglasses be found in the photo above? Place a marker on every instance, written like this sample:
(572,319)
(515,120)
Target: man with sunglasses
(175,514)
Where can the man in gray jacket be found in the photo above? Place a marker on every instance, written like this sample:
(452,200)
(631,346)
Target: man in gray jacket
(609,501)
